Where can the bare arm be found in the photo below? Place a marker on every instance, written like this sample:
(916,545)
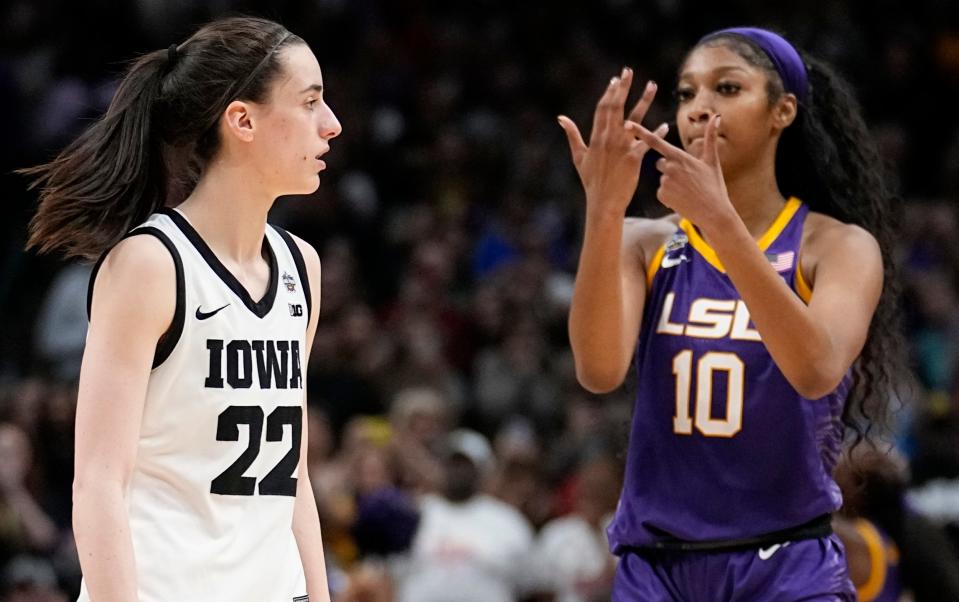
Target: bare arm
(309,538)
(608,302)
(127,319)
(306,519)
(812,345)
(610,284)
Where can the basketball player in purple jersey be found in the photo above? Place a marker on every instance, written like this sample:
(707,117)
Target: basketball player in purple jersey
(756,315)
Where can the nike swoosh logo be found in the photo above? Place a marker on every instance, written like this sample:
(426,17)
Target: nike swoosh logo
(669,262)
(202,315)
(767,553)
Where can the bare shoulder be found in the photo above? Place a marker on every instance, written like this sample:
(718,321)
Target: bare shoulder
(310,256)
(136,285)
(642,236)
(824,235)
(139,260)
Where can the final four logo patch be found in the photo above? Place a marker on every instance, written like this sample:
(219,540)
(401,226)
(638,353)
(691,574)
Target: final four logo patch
(678,241)
(290,282)
(674,252)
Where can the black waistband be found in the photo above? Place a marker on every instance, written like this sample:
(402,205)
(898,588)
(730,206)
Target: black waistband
(821,526)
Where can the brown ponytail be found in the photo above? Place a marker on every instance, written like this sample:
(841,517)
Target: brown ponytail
(158,134)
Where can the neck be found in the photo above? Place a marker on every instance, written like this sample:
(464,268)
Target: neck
(756,197)
(229,211)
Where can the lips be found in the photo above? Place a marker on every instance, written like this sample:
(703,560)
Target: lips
(699,138)
(321,161)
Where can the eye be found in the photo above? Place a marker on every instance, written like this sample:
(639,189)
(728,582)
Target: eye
(683,94)
(728,88)
(311,102)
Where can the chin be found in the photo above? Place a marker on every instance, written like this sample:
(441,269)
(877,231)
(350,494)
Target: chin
(309,186)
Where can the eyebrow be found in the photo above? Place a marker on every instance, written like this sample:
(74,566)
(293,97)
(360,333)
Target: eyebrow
(717,70)
(312,88)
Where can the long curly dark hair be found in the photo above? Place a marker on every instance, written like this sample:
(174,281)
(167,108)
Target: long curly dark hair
(828,159)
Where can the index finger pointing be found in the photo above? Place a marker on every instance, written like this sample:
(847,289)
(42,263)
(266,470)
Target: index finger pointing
(655,142)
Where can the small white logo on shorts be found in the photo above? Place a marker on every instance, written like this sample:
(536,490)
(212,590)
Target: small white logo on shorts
(767,553)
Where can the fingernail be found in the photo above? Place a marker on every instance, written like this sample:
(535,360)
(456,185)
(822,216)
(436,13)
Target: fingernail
(613,80)
(624,72)
(665,127)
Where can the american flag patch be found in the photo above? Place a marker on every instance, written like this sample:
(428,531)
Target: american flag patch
(781,261)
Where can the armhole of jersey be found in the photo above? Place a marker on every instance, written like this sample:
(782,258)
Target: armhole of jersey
(653,266)
(802,285)
(168,339)
(300,267)
(877,562)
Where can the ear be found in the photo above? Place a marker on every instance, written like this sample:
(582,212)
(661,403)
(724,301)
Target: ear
(238,121)
(784,113)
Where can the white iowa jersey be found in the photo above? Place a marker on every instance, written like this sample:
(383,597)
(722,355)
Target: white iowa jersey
(212,493)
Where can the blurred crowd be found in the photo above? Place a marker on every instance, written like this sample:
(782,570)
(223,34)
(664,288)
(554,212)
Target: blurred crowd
(452,452)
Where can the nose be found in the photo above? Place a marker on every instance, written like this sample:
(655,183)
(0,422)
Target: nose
(330,126)
(701,109)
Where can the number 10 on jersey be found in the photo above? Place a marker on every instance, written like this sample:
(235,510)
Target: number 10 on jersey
(710,363)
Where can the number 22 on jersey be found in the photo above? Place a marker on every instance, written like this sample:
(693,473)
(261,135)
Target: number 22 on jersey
(278,481)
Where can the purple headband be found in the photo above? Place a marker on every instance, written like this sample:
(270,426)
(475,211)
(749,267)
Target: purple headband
(784,56)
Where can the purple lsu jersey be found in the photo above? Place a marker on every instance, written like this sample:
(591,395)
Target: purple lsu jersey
(721,446)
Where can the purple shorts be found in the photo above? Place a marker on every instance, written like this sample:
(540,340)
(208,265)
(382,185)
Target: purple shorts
(810,569)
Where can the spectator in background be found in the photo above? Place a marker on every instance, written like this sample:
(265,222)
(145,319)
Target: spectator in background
(890,546)
(29,579)
(386,517)
(420,420)
(469,544)
(62,325)
(24,525)
(333,490)
(572,553)
(519,478)
(514,377)
(340,485)
(368,582)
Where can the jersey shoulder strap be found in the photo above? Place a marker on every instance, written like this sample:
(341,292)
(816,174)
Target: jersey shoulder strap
(168,339)
(300,267)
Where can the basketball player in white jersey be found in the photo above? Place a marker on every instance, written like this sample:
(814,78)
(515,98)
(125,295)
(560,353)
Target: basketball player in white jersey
(191,479)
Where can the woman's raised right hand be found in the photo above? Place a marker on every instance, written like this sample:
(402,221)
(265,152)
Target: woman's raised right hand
(609,166)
